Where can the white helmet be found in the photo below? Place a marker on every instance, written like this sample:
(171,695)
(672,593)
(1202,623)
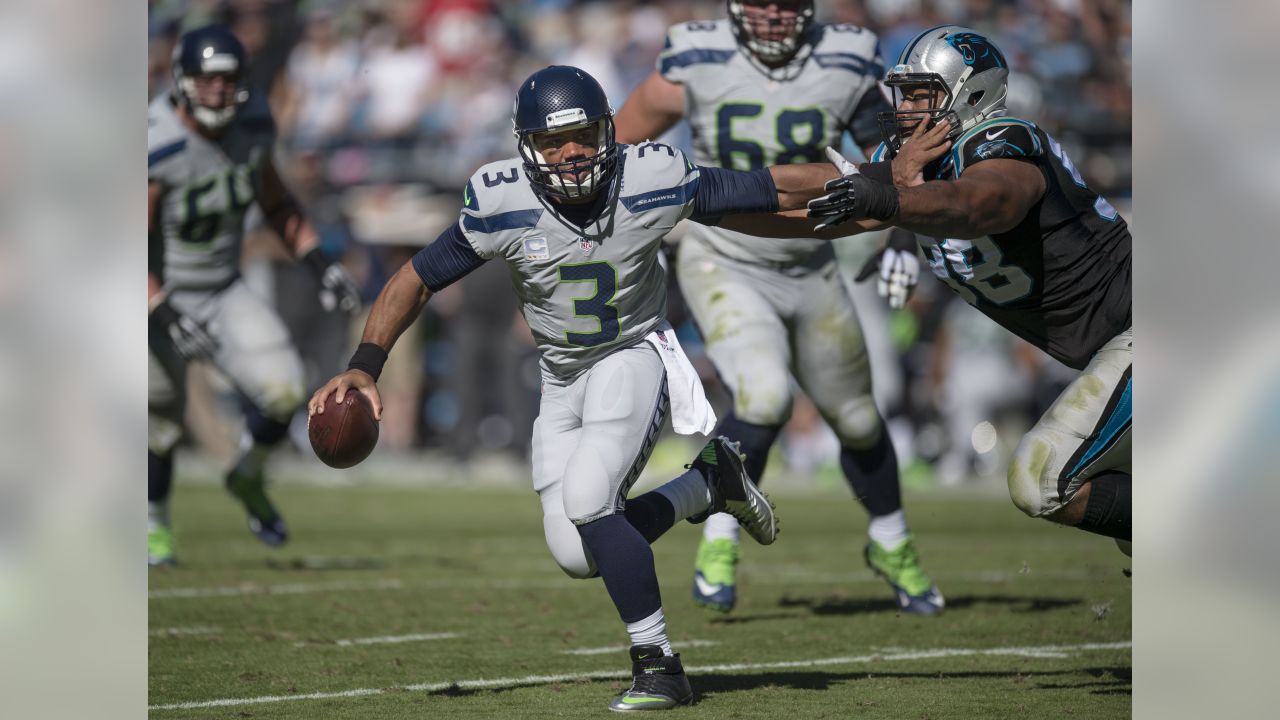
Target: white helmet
(969,71)
(772,51)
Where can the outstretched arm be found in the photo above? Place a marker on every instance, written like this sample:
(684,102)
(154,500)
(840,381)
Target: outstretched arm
(653,108)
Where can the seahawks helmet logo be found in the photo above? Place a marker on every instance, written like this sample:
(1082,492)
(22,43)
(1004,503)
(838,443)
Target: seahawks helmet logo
(977,51)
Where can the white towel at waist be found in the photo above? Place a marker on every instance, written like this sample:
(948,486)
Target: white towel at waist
(690,411)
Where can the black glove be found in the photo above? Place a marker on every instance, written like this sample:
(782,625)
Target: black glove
(190,339)
(338,289)
(898,266)
(854,197)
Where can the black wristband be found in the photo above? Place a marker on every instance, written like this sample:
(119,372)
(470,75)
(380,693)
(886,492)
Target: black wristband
(316,260)
(879,171)
(368,358)
(879,200)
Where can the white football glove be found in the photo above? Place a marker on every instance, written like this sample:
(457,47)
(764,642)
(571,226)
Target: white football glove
(899,273)
(189,338)
(338,290)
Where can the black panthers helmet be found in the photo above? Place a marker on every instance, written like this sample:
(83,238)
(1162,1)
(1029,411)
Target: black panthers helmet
(772,51)
(558,98)
(210,50)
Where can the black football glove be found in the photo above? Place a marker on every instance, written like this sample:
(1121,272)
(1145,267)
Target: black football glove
(189,338)
(898,266)
(853,196)
(338,290)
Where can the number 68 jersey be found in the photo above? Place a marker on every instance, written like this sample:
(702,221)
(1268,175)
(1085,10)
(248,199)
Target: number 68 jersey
(1061,278)
(588,291)
(745,117)
(208,186)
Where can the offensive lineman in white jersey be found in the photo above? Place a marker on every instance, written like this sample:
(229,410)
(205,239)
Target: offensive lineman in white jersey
(768,86)
(209,148)
(579,220)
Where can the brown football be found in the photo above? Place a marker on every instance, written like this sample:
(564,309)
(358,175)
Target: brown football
(343,435)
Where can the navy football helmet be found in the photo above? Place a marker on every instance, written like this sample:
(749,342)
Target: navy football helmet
(560,99)
(781,39)
(201,56)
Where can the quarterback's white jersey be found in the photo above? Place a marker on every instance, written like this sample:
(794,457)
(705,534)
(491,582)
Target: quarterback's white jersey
(208,186)
(744,118)
(584,292)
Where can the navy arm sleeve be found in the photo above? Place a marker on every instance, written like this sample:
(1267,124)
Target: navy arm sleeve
(446,260)
(726,192)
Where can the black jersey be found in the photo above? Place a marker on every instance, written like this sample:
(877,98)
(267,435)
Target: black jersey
(1060,279)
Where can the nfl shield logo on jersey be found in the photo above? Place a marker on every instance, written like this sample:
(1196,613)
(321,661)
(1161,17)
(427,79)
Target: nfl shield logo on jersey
(585,244)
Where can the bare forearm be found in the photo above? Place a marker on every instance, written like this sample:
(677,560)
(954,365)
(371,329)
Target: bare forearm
(397,306)
(298,235)
(798,184)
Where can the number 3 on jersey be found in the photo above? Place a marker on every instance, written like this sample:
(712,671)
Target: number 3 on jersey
(597,305)
(800,132)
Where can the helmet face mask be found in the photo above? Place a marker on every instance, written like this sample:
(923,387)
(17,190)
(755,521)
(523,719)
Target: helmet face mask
(966,74)
(208,76)
(774,39)
(564,130)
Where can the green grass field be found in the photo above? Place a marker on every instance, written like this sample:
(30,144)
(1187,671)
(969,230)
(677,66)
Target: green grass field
(406,603)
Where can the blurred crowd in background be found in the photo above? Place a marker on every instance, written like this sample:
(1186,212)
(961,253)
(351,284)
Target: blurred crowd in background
(385,107)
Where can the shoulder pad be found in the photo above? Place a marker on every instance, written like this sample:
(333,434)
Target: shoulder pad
(998,138)
(849,47)
(498,197)
(695,43)
(166,139)
(652,166)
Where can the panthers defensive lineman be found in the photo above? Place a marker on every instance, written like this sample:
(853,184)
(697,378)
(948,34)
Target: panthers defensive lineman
(770,86)
(1014,229)
(209,156)
(579,220)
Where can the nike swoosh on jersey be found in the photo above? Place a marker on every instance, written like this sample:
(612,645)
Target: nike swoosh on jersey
(996,134)
(705,587)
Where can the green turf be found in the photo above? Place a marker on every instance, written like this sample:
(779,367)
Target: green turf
(400,562)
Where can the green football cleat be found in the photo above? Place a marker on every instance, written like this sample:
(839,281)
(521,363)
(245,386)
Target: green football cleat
(714,574)
(264,521)
(160,546)
(900,567)
(658,682)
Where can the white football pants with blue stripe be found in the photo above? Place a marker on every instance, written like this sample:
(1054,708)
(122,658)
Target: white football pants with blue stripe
(1087,430)
(592,438)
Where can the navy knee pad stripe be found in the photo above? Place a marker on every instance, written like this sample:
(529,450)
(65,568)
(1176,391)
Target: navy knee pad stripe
(263,430)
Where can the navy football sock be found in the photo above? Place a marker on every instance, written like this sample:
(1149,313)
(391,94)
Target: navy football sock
(873,475)
(625,563)
(159,476)
(651,514)
(264,430)
(754,442)
(1109,509)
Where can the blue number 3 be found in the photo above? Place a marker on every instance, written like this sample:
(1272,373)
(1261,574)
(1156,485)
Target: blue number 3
(596,305)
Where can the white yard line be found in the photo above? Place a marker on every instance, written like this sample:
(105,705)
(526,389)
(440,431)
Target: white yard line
(184,631)
(254,589)
(385,639)
(481,683)
(620,648)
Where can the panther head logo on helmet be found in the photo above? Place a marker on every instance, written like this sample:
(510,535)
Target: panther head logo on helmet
(965,75)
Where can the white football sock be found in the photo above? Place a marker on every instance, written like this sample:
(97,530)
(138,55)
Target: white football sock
(688,494)
(157,514)
(889,531)
(651,631)
(721,526)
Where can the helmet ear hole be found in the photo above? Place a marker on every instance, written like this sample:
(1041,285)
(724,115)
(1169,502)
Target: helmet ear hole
(975,98)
